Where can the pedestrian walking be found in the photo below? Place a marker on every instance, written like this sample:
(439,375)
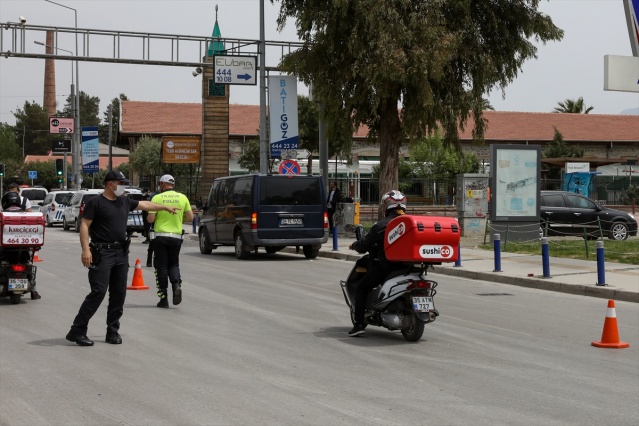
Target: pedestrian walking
(105,251)
(167,243)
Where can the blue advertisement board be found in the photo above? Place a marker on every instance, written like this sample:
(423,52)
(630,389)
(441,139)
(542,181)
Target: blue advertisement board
(90,150)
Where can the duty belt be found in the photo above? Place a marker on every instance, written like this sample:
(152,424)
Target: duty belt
(107,246)
(168,234)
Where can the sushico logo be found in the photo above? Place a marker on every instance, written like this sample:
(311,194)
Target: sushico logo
(396,232)
(436,252)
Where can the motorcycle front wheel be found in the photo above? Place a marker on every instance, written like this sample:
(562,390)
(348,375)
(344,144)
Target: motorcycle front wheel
(415,331)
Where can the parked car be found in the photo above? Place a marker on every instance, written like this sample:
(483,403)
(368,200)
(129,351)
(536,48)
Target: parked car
(134,222)
(273,212)
(54,204)
(73,212)
(567,213)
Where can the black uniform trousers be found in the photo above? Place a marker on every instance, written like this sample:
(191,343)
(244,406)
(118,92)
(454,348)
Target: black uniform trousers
(166,254)
(110,273)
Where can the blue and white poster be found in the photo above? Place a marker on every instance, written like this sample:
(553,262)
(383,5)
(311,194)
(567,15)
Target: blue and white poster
(282,98)
(90,150)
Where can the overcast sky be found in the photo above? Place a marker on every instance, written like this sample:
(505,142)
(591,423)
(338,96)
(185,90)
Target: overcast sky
(565,70)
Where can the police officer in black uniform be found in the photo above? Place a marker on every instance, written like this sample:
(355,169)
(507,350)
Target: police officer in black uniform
(107,255)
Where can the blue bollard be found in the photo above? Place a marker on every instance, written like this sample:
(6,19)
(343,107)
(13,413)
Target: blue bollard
(545,257)
(458,261)
(497,249)
(335,247)
(601,269)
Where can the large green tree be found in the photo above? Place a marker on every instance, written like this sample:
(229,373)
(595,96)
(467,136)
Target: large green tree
(32,129)
(89,109)
(571,106)
(9,146)
(437,59)
(115,121)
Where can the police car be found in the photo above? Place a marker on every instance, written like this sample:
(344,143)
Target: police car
(53,206)
(134,223)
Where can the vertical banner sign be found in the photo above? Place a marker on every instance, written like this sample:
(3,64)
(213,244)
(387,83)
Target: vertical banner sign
(282,97)
(90,150)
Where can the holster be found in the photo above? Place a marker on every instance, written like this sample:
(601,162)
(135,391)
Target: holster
(125,245)
(96,254)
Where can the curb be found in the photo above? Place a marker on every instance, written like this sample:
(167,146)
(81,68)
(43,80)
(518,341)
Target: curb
(604,292)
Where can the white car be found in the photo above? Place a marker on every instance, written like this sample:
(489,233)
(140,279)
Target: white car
(73,212)
(53,206)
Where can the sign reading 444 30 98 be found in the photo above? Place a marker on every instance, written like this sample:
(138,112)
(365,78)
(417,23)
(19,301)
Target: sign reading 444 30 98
(283,113)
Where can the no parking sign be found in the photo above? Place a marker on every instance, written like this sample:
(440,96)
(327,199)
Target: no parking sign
(289,167)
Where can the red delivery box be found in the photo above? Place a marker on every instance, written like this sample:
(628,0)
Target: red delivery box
(428,239)
(18,229)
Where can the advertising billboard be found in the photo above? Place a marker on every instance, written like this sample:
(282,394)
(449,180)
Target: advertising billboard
(90,150)
(282,97)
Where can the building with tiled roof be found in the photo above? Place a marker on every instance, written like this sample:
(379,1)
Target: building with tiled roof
(605,137)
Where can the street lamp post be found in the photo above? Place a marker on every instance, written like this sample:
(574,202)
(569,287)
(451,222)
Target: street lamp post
(73,106)
(76,166)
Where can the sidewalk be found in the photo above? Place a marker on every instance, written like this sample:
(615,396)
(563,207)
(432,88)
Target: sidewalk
(567,275)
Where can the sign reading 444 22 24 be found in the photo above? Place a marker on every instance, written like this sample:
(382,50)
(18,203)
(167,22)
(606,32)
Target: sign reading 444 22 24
(284,132)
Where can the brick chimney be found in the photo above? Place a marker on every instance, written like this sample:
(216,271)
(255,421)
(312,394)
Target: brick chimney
(49,78)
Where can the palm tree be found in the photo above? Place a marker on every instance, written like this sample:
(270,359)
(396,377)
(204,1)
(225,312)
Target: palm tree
(570,106)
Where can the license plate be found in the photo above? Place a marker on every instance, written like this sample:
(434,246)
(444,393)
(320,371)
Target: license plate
(291,221)
(18,283)
(423,304)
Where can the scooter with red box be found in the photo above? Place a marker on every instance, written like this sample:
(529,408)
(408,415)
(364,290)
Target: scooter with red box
(22,234)
(405,301)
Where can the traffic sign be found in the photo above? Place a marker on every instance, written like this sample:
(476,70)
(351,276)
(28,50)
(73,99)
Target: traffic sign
(61,146)
(61,125)
(289,167)
(235,70)
(33,174)
(303,153)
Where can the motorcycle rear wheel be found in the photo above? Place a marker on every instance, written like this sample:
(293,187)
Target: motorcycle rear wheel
(415,331)
(15,298)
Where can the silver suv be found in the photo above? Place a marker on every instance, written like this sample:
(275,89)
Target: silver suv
(73,212)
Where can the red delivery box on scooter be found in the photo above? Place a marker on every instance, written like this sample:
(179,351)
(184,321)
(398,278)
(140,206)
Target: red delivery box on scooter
(21,229)
(427,239)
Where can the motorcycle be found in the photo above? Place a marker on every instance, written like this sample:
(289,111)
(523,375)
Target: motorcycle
(17,272)
(405,299)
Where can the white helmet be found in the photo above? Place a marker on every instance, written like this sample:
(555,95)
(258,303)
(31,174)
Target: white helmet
(393,200)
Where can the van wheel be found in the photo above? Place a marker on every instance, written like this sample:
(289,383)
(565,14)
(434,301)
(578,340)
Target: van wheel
(205,244)
(65,225)
(241,251)
(77,225)
(49,223)
(311,252)
(618,231)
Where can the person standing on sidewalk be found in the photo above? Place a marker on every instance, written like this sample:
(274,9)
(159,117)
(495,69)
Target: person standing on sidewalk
(331,205)
(107,255)
(169,232)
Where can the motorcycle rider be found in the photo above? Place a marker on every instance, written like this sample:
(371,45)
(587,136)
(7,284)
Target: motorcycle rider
(12,201)
(394,204)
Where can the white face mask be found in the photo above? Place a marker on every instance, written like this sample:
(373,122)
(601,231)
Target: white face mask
(119,190)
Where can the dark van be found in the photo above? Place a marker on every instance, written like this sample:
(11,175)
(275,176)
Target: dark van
(270,211)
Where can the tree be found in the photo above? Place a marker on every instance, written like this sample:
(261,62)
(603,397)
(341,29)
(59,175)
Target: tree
(570,106)
(558,149)
(32,128)
(115,121)
(437,58)
(250,159)
(89,109)
(146,158)
(9,146)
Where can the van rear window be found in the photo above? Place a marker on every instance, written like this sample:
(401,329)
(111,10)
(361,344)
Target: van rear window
(276,191)
(34,194)
(63,198)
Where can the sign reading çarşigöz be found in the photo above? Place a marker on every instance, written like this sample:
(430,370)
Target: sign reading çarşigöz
(181,149)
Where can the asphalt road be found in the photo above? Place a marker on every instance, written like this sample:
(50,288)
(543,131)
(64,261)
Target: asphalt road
(264,341)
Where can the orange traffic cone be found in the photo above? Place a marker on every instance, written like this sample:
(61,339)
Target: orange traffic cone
(610,335)
(36,258)
(138,279)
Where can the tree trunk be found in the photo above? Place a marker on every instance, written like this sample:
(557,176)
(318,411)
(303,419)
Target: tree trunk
(389,144)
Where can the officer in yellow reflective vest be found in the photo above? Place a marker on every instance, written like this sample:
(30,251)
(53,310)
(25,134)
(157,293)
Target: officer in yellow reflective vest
(168,240)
